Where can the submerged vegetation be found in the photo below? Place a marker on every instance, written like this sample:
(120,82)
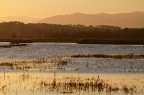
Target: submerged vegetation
(40,64)
(74,64)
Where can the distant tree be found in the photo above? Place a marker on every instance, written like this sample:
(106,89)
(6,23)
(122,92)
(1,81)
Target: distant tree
(42,30)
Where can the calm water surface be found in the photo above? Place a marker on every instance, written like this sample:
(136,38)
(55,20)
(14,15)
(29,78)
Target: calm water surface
(44,50)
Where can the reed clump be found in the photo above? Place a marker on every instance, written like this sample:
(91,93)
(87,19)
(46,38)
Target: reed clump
(24,77)
(60,61)
(125,56)
(6,64)
(72,84)
(126,88)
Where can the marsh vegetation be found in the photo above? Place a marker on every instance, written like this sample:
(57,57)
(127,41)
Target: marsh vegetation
(57,83)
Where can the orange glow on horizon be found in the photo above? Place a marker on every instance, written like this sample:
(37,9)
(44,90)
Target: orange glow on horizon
(46,8)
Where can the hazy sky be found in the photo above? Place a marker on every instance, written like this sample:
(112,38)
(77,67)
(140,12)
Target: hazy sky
(46,8)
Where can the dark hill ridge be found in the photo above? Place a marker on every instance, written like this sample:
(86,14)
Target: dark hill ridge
(133,19)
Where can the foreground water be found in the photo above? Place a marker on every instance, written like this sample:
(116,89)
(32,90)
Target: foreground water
(70,84)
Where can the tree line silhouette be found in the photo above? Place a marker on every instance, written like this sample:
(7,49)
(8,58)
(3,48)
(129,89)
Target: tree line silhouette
(19,30)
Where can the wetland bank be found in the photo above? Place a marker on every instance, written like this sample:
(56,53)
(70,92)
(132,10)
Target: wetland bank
(72,69)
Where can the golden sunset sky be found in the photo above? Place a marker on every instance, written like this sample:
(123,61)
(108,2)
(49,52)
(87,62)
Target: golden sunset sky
(46,8)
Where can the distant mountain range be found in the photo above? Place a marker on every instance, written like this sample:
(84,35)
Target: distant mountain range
(133,19)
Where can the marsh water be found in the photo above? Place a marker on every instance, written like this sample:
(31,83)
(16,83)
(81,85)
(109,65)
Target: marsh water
(37,50)
(53,52)
(40,60)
